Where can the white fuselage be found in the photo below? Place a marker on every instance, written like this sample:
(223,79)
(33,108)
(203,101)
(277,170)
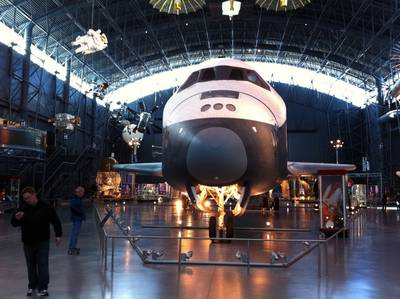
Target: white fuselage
(225,126)
(254,102)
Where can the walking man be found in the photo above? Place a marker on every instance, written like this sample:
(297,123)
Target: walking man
(35,218)
(77,216)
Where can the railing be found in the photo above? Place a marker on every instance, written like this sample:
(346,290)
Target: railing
(55,159)
(244,259)
(63,165)
(55,154)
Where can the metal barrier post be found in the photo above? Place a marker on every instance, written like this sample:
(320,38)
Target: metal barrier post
(336,246)
(102,248)
(105,253)
(326,258)
(248,255)
(319,260)
(179,252)
(112,254)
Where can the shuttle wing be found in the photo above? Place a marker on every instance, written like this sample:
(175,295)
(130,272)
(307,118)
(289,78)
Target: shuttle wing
(154,169)
(306,168)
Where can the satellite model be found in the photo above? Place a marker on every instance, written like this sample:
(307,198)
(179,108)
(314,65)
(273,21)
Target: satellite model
(142,122)
(133,138)
(65,121)
(92,42)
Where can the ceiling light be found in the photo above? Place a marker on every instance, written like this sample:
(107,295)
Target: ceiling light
(231,8)
(177,6)
(282,5)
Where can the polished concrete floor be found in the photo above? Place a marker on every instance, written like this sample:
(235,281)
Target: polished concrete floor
(367,265)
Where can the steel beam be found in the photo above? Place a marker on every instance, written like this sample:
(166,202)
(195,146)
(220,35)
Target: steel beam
(339,43)
(116,27)
(83,29)
(66,85)
(26,68)
(154,40)
(371,42)
(316,25)
(67,50)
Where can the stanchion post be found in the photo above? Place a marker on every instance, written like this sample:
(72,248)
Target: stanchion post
(105,253)
(112,254)
(248,255)
(336,250)
(179,252)
(319,260)
(102,241)
(326,258)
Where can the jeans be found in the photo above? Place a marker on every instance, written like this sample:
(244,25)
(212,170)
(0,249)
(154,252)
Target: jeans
(76,227)
(37,261)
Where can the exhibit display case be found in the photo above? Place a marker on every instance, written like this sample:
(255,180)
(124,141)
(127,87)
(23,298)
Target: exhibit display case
(108,181)
(9,193)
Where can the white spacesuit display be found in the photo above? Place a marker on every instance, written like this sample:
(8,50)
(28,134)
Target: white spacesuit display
(92,42)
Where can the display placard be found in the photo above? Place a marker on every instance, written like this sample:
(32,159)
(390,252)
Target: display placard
(332,202)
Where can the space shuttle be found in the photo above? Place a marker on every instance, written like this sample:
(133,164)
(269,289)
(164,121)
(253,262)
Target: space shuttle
(225,127)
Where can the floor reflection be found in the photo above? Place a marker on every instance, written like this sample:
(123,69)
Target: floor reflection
(367,265)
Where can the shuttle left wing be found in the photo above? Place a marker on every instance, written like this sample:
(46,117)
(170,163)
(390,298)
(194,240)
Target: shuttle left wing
(306,168)
(154,169)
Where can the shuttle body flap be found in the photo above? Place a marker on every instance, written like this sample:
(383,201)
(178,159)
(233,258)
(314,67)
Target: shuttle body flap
(154,169)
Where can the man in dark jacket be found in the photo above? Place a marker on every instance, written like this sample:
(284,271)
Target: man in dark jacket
(77,216)
(35,218)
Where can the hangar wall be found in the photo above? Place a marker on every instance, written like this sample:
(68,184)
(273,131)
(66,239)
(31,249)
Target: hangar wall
(45,98)
(313,120)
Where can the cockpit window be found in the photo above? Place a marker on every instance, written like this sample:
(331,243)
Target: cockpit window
(207,75)
(190,81)
(225,73)
(236,74)
(253,77)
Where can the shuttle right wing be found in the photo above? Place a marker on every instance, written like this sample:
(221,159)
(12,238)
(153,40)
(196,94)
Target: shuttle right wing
(306,168)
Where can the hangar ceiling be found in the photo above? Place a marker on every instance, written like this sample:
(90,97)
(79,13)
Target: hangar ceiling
(348,39)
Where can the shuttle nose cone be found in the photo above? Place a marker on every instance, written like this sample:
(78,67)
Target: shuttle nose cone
(216,156)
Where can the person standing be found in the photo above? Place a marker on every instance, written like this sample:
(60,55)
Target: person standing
(265,201)
(397,198)
(35,218)
(385,200)
(77,216)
